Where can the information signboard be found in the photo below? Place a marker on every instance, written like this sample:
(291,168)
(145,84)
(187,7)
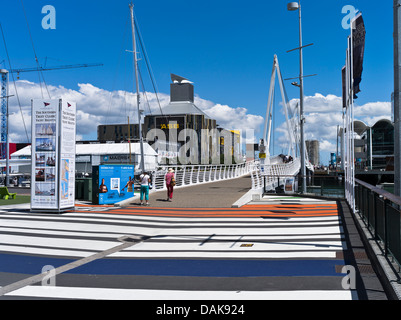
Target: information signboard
(67,154)
(112,183)
(53,155)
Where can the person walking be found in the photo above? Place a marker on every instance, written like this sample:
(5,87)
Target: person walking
(170,183)
(144,179)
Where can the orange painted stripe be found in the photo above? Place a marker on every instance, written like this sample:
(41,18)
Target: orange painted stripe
(290,206)
(223,209)
(295,213)
(247,211)
(287,208)
(225,216)
(94,205)
(226,213)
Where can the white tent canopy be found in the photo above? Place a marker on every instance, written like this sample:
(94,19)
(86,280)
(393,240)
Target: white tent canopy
(98,149)
(98,153)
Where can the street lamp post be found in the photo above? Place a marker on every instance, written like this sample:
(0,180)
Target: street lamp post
(293,6)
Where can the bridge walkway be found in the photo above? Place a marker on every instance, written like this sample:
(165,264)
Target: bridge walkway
(195,248)
(221,194)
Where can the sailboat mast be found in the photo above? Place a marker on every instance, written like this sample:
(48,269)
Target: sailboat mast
(129,142)
(142,163)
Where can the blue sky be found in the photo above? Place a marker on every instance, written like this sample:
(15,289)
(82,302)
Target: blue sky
(225,47)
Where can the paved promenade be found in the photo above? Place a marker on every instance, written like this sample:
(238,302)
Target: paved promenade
(220,194)
(194,248)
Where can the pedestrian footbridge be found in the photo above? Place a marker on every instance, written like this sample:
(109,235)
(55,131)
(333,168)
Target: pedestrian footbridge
(264,177)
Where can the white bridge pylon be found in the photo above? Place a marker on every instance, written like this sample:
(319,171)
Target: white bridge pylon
(290,115)
(273,168)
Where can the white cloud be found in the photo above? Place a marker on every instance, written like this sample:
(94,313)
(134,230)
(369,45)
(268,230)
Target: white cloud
(324,113)
(327,146)
(99,106)
(322,104)
(371,112)
(234,118)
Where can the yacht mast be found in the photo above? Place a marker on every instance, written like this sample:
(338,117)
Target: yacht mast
(142,163)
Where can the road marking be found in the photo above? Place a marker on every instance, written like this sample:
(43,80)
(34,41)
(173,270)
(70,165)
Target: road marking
(137,294)
(39,277)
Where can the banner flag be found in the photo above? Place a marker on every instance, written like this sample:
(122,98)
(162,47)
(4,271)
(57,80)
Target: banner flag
(344,85)
(358,40)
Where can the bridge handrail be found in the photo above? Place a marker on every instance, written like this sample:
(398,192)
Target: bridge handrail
(266,176)
(188,175)
(385,194)
(380,211)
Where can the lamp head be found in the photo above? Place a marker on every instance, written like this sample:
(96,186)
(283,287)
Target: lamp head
(293,6)
(296,84)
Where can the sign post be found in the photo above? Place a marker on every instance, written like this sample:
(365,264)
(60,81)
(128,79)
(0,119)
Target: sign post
(53,155)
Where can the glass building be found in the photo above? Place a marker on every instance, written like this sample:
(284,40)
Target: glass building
(374,146)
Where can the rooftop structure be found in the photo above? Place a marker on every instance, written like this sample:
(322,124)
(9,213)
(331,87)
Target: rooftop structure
(374,145)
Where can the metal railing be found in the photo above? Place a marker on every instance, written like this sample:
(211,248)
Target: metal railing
(284,178)
(328,186)
(380,211)
(189,175)
(271,176)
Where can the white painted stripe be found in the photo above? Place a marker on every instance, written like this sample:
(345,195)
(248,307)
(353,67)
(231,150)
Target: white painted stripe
(193,229)
(103,245)
(182,254)
(296,199)
(45,252)
(65,233)
(66,243)
(260,224)
(252,231)
(128,219)
(133,294)
(251,237)
(61,233)
(236,245)
(79,227)
(229,255)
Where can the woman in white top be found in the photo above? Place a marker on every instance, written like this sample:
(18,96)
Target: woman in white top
(144,179)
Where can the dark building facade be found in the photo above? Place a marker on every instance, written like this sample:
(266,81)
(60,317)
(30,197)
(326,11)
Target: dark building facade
(180,115)
(117,132)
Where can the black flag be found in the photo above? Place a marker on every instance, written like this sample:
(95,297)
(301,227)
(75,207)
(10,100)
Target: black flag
(344,85)
(358,40)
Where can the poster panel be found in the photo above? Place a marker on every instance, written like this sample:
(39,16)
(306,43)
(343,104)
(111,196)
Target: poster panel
(289,186)
(53,155)
(112,183)
(44,154)
(67,154)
